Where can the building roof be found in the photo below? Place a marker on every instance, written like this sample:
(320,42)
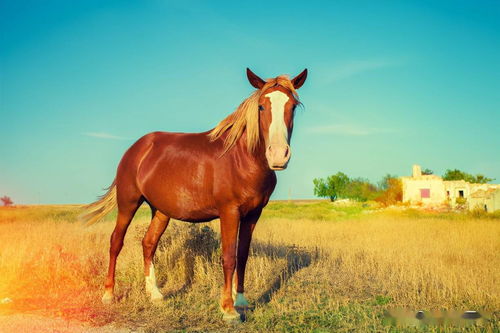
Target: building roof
(484,193)
(456,182)
(422,177)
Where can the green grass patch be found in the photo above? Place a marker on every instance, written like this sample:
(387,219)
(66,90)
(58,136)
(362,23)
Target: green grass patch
(322,210)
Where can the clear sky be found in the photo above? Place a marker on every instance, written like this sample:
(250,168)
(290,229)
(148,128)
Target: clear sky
(391,83)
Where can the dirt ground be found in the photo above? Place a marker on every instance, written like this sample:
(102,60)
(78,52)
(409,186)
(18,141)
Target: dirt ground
(27,323)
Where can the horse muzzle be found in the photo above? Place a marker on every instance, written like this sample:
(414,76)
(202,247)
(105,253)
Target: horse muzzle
(278,156)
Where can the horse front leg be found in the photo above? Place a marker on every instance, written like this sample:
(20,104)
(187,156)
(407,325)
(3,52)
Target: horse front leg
(229,224)
(247,226)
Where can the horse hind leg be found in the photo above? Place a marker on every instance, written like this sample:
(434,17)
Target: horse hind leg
(157,227)
(126,213)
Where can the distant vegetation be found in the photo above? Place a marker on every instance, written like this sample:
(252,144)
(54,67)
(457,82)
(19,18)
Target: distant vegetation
(427,171)
(388,191)
(340,186)
(456,174)
(393,192)
(6,201)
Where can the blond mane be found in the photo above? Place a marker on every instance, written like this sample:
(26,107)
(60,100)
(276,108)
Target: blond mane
(246,117)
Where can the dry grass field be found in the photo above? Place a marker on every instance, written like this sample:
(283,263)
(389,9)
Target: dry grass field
(313,267)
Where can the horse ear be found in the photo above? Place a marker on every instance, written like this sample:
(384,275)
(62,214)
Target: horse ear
(299,80)
(255,81)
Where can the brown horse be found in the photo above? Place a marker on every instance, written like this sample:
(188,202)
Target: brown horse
(225,173)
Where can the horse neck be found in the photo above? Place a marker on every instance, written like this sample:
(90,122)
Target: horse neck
(257,158)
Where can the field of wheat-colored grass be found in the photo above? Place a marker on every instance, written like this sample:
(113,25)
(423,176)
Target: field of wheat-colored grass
(313,266)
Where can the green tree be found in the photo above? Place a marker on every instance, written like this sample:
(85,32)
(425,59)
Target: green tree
(360,189)
(322,190)
(332,187)
(427,171)
(456,174)
(482,179)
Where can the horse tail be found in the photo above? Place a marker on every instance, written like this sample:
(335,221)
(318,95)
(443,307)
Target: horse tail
(97,210)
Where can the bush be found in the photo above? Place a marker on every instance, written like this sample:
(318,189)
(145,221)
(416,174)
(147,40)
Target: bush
(7,201)
(393,194)
(360,189)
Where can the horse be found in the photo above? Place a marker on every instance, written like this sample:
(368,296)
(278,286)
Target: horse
(226,173)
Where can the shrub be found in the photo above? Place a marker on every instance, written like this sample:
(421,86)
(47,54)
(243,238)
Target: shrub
(360,189)
(393,194)
(7,201)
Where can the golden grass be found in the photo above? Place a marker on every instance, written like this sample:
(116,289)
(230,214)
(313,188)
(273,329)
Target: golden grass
(333,269)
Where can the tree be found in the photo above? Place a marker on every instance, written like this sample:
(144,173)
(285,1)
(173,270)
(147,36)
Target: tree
(392,194)
(321,189)
(7,201)
(456,174)
(384,183)
(341,186)
(360,189)
(427,171)
(482,179)
(332,187)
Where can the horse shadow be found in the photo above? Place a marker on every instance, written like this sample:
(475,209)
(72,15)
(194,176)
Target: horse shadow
(204,242)
(198,242)
(296,258)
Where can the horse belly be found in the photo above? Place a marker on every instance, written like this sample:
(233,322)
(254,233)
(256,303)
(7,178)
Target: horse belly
(181,203)
(190,207)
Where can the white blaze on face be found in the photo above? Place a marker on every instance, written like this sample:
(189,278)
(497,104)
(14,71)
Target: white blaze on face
(278,130)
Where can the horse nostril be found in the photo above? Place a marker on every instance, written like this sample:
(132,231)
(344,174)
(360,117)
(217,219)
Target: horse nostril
(270,148)
(287,151)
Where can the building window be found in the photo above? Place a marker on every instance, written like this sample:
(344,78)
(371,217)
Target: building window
(461,193)
(425,193)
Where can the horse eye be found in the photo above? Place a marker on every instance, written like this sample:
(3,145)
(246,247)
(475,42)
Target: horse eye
(261,108)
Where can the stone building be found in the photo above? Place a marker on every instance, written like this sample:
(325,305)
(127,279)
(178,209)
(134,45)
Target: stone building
(487,200)
(432,190)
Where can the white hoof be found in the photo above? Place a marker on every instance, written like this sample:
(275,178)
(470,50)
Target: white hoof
(231,316)
(155,295)
(108,298)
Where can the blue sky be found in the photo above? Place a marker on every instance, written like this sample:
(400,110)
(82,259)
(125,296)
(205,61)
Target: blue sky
(391,83)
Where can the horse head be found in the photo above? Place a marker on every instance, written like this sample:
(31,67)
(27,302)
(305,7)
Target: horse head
(277,102)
